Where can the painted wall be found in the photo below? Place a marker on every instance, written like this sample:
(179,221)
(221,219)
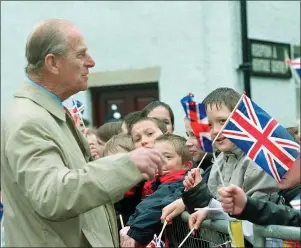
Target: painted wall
(196,44)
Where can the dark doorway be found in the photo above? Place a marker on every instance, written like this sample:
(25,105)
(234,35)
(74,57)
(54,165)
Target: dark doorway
(128,98)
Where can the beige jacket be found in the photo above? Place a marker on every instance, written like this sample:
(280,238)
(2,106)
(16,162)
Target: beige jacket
(52,195)
(236,168)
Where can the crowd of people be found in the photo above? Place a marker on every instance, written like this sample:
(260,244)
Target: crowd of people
(117,184)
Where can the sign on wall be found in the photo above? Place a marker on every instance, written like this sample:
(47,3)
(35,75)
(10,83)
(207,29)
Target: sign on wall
(268,59)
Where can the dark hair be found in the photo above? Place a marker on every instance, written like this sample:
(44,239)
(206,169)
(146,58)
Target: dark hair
(107,130)
(160,124)
(152,105)
(131,118)
(179,144)
(220,96)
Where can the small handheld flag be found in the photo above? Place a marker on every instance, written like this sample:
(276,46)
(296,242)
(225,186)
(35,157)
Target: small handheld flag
(78,107)
(261,138)
(196,114)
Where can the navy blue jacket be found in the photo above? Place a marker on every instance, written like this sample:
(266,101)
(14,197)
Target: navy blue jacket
(145,222)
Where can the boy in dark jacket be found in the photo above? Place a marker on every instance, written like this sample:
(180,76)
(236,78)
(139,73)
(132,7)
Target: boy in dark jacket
(267,212)
(145,222)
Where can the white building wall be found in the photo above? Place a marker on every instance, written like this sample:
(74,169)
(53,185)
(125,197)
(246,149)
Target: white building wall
(196,44)
(277,21)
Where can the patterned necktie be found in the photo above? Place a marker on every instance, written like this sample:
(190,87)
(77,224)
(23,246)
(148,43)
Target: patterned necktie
(75,132)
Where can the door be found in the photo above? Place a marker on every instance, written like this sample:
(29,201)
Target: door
(128,98)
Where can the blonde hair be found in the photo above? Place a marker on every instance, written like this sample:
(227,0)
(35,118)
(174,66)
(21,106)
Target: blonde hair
(108,130)
(121,140)
(179,144)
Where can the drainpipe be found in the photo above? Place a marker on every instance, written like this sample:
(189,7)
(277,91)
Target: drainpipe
(246,65)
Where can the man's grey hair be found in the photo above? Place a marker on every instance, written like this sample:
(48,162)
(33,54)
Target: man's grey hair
(48,37)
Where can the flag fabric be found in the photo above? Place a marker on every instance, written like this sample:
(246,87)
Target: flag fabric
(196,114)
(155,243)
(261,138)
(295,64)
(78,107)
(295,203)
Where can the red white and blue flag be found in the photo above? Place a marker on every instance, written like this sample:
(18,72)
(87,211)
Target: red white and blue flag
(295,64)
(295,203)
(77,107)
(196,114)
(155,243)
(262,138)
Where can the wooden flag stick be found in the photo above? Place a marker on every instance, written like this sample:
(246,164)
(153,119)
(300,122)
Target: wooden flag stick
(161,233)
(202,160)
(121,220)
(187,236)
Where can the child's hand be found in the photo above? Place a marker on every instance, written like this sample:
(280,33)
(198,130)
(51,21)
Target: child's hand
(233,199)
(123,234)
(196,219)
(192,179)
(94,151)
(128,242)
(172,210)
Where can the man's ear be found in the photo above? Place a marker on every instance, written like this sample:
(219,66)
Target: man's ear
(188,164)
(51,63)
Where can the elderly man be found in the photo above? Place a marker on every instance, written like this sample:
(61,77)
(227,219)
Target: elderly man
(54,193)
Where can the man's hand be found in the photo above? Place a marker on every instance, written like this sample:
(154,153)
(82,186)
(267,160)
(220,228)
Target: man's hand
(148,161)
(172,210)
(196,219)
(129,243)
(192,179)
(233,199)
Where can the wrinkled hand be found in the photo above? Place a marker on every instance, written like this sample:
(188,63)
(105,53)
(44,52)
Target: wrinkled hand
(148,161)
(129,243)
(196,219)
(172,210)
(233,199)
(192,179)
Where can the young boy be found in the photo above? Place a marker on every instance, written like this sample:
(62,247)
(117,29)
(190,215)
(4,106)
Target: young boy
(235,167)
(145,222)
(145,131)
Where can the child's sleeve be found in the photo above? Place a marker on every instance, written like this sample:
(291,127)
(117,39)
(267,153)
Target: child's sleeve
(257,182)
(197,197)
(145,222)
(261,212)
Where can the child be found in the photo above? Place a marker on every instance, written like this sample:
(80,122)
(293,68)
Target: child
(120,143)
(234,165)
(145,131)
(196,152)
(96,145)
(145,222)
(128,121)
(162,111)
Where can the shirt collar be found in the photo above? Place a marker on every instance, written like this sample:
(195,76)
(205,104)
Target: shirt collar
(46,91)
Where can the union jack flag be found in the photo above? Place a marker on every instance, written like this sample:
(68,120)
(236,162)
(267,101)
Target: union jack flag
(295,203)
(155,243)
(78,107)
(196,114)
(295,64)
(261,138)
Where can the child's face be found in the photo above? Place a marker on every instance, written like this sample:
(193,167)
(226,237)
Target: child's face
(174,161)
(162,114)
(217,118)
(144,134)
(92,139)
(292,178)
(192,143)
